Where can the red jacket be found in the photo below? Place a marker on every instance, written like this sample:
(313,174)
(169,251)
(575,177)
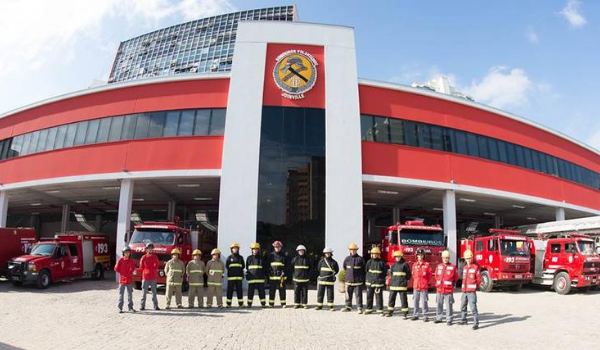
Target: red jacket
(124,268)
(471,278)
(149,267)
(446,277)
(421,274)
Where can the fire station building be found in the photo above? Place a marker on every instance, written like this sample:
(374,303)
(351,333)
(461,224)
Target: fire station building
(286,143)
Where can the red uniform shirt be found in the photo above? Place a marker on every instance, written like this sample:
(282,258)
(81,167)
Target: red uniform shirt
(421,273)
(446,276)
(471,278)
(124,268)
(149,267)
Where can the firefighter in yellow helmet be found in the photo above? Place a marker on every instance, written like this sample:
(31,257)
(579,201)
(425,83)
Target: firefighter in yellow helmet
(195,272)
(215,269)
(174,271)
(375,281)
(255,275)
(354,278)
(400,274)
(235,275)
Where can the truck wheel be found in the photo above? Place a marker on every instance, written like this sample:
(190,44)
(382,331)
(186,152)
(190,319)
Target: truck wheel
(137,285)
(486,282)
(44,280)
(98,273)
(562,283)
(516,287)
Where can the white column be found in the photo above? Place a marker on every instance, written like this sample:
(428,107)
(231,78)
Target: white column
(560,214)
(449,205)
(124,215)
(3,208)
(66,217)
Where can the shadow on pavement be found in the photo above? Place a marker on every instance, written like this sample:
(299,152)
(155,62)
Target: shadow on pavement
(490,320)
(5,346)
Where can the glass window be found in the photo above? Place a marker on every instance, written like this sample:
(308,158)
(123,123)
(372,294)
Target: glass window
(449,140)
(26,143)
(528,158)
(552,166)
(217,121)
(410,134)
(473,145)
(520,155)
(502,153)
(381,126)
(293,126)
(157,124)
(92,131)
(3,149)
(116,128)
(129,127)
(80,134)
(202,122)
(562,168)
(555,248)
(396,131)
(186,124)
(51,139)
(436,138)
(315,129)
(493,148)
(42,140)
(60,137)
(142,126)
(103,130)
(483,147)
(16,146)
(511,153)
(535,155)
(35,136)
(366,127)
(461,142)
(424,136)
(570,248)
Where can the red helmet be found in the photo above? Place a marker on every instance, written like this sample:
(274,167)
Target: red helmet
(277,244)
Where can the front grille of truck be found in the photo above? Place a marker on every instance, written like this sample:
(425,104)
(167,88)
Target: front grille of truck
(588,266)
(17,268)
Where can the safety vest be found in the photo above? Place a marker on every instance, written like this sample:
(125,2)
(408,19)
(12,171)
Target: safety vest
(446,276)
(421,273)
(471,278)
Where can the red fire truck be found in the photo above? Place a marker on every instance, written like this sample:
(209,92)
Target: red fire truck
(165,236)
(66,256)
(410,236)
(564,262)
(15,242)
(502,255)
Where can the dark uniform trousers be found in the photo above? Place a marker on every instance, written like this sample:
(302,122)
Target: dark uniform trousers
(235,285)
(301,293)
(261,293)
(376,292)
(403,301)
(357,291)
(321,294)
(274,286)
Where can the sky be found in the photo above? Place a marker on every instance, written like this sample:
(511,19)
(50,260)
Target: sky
(537,59)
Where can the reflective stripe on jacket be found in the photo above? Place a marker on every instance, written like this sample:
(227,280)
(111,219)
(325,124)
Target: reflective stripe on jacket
(255,269)
(195,272)
(400,275)
(446,276)
(301,268)
(471,278)
(421,273)
(354,269)
(376,272)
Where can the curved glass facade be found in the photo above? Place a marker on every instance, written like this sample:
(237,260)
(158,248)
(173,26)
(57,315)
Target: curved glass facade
(439,138)
(185,122)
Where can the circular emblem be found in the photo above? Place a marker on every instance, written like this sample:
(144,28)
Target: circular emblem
(295,73)
(62,264)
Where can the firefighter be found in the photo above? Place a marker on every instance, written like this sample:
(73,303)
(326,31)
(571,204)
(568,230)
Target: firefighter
(375,281)
(235,275)
(328,269)
(471,279)
(195,272)
(255,275)
(174,271)
(421,273)
(149,268)
(354,267)
(215,269)
(125,267)
(301,267)
(446,276)
(277,261)
(400,274)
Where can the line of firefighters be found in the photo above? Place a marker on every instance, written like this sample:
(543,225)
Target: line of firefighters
(373,274)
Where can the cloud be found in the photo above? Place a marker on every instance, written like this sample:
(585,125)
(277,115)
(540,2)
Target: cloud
(502,87)
(35,32)
(571,13)
(531,35)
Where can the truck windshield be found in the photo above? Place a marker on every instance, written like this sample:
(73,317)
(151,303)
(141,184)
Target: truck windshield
(514,248)
(43,250)
(586,247)
(412,237)
(156,237)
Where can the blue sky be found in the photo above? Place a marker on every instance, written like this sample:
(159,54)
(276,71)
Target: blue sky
(538,59)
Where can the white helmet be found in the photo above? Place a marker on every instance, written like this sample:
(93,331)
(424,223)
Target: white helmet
(300,247)
(327,250)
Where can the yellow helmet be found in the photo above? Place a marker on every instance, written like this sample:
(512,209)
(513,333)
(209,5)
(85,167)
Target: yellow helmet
(375,250)
(468,254)
(353,246)
(255,246)
(175,251)
(196,252)
(397,253)
(234,245)
(445,254)
(215,251)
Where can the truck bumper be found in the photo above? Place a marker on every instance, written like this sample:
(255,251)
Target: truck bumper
(515,277)
(25,277)
(587,281)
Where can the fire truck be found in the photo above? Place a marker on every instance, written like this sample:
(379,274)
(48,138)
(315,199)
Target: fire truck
(64,257)
(165,236)
(15,242)
(564,262)
(502,255)
(409,237)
